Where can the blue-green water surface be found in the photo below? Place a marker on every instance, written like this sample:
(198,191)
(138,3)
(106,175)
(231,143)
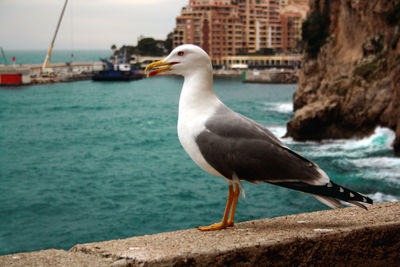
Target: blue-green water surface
(38,56)
(86,161)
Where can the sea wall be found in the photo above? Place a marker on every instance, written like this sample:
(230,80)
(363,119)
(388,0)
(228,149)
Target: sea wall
(340,237)
(271,76)
(350,78)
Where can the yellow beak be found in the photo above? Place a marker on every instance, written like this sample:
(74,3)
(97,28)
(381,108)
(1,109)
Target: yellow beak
(157,67)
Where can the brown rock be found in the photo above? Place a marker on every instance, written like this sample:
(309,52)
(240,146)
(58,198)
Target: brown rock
(313,119)
(354,83)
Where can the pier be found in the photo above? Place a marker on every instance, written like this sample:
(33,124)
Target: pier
(62,72)
(65,72)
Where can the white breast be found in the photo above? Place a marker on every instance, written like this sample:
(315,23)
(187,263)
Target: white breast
(188,129)
(193,115)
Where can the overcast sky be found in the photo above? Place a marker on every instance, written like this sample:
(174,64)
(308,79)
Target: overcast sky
(87,24)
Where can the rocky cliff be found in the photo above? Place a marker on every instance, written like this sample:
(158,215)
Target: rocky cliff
(350,79)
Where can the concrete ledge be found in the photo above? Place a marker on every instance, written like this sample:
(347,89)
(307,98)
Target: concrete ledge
(350,236)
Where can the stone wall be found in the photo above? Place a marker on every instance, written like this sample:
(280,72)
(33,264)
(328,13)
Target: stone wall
(340,237)
(271,76)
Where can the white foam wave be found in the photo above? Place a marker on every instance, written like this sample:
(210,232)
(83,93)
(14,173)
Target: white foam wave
(359,153)
(381,136)
(379,168)
(386,176)
(381,139)
(283,107)
(380,197)
(381,162)
(278,131)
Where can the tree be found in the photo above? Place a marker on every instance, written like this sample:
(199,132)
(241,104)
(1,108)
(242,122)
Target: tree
(145,47)
(149,47)
(168,42)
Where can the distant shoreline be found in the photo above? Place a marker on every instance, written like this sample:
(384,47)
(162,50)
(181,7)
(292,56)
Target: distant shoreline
(77,71)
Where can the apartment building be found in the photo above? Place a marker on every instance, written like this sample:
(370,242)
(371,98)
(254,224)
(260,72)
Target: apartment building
(233,27)
(292,16)
(213,25)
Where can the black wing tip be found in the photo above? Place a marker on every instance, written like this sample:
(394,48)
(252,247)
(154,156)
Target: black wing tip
(331,190)
(348,195)
(369,201)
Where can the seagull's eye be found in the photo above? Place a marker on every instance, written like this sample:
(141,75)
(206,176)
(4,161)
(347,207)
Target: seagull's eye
(181,53)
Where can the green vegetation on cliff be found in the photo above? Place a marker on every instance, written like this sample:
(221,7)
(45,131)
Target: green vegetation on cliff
(315,30)
(393,15)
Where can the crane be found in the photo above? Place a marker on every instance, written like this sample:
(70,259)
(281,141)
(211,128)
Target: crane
(46,70)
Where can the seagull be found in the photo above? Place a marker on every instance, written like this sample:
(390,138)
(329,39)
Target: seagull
(227,144)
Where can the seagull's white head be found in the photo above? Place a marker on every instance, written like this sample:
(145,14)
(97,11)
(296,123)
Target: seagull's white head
(183,60)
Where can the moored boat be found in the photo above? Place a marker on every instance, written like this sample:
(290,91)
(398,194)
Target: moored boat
(117,72)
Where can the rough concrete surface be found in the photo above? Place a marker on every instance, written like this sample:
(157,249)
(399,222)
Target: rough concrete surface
(340,237)
(53,257)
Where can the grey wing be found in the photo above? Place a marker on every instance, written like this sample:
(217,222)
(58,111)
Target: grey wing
(234,144)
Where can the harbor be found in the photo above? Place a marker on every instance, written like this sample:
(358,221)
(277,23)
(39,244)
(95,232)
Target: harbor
(123,65)
(29,74)
(78,71)
(15,75)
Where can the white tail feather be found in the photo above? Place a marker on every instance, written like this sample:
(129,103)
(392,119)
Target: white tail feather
(357,204)
(329,201)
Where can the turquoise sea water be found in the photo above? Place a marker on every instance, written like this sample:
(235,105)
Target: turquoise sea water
(86,161)
(38,56)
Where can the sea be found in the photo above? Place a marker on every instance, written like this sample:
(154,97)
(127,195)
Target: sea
(38,56)
(89,161)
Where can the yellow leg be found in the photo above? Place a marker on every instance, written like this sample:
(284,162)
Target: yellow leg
(224,223)
(236,195)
